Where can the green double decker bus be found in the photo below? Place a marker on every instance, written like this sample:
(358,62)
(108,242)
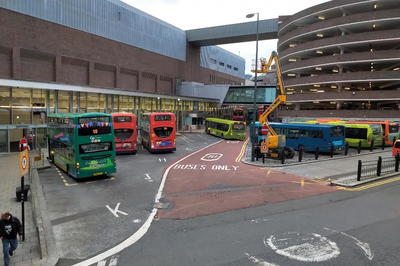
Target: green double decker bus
(82,144)
(226,129)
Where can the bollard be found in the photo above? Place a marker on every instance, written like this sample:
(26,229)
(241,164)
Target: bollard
(396,166)
(359,147)
(332,150)
(316,152)
(263,157)
(372,145)
(283,156)
(300,154)
(383,143)
(346,148)
(359,170)
(379,168)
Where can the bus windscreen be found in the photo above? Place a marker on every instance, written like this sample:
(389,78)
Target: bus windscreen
(393,128)
(356,133)
(95,147)
(123,133)
(337,132)
(376,129)
(238,127)
(238,112)
(163,132)
(122,119)
(162,118)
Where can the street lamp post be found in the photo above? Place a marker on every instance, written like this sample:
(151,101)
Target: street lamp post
(253,143)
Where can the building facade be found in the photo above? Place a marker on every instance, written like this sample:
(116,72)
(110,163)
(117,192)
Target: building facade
(342,58)
(97,55)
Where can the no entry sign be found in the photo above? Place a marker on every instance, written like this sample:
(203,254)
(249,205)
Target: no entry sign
(264,130)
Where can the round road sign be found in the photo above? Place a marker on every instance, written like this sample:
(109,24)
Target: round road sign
(24,162)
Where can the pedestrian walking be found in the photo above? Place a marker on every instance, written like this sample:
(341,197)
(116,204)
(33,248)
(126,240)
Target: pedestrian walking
(10,226)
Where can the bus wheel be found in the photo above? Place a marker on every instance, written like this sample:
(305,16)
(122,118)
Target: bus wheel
(289,152)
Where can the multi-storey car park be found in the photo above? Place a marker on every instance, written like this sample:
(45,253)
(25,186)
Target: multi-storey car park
(342,58)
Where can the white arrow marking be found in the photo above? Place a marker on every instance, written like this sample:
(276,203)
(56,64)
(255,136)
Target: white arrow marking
(148,178)
(364,246)
(136,221)
(163,159)
(115,211)
(113,261)
(102,263)
(188,149)
(258,261)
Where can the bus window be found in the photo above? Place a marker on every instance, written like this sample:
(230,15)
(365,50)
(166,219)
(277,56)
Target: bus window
(305,133)
(123,134)
(337,132)
(293,134)
(318,134)
(95,147)
(356,133)
(163,132)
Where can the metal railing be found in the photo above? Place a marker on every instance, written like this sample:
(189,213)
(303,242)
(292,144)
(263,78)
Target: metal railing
(383,166)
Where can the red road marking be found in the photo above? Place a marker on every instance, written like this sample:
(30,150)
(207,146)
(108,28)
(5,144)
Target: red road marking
(218,184)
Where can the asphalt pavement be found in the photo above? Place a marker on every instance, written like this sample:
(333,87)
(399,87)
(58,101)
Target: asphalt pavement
(93,215)
(342,228)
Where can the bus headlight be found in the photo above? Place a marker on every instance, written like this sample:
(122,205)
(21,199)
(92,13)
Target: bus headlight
(52,152)
(77,165)
(152,144)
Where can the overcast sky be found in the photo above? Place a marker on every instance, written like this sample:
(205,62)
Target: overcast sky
(193,14)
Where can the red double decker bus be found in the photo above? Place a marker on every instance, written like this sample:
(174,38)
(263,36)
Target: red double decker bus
(238,114)
(158,131)
(125,132)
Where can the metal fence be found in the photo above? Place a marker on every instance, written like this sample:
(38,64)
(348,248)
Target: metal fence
(383,166)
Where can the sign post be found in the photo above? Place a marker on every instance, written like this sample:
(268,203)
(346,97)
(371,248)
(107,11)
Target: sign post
(24,163)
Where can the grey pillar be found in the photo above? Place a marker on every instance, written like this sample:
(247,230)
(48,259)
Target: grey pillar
(112,103)
(157,105)
(134,105)
(78,102)
(160,105)
(71,102)
(106,103)
(56,101)
(47,102)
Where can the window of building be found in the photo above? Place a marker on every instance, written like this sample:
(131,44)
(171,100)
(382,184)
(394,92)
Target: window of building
(229,66)
(213,60)
(235,68)
(63,101)
(5,106)
(221,63)
(21,101)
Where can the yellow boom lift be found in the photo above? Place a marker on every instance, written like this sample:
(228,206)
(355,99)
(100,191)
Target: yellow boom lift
(273,145)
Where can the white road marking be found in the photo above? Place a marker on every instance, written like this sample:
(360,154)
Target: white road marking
(304,247)
(115,211)
(163,159)
(113,261)
(136,221)
(188,149)
(364,246)
(210,157)
(263,220)
(258,261)
(148,178)
(143,229)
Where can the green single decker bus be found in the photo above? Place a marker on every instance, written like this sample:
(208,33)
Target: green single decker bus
(226,129)
(82,144)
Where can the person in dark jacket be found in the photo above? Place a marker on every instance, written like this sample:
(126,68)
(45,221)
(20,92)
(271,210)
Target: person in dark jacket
(10,226)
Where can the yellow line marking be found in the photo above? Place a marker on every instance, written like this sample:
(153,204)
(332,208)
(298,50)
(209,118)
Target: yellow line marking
(69,185)
(90,182)
(302,182)
(242,151)
(109,179)
(371,185)
(65,181)
(269,172)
